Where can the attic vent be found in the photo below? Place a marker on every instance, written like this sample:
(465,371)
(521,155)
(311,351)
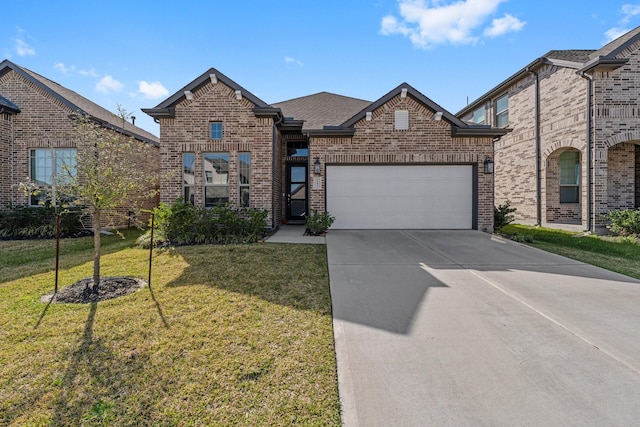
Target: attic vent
(402,120)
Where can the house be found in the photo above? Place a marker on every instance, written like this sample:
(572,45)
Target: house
(401,161)
(573,151)
(37,132)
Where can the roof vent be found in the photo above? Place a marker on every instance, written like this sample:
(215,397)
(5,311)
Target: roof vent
(402,120)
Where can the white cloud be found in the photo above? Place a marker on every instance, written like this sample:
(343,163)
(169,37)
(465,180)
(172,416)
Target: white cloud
(501,26)
(152,90)
(629,11)
(21,46)
(428,24)
(291,60)
(88,73)
(63,68)
(108,84)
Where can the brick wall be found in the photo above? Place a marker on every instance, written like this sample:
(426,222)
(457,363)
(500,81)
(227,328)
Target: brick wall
(426,142)
(43,122)
(616,97)
(242,132)
(5,155)
(562,126)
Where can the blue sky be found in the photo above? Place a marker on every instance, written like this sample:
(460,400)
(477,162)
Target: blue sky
(137,53)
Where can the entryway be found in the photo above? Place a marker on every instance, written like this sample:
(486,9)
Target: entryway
(297,192)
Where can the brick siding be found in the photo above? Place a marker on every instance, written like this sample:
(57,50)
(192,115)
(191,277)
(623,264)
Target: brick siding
(426,142)
(242,131)
(43,122)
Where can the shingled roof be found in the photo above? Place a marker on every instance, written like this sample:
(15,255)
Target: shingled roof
(7,106)
(321,109)
(575,55)
(76,102)
(617,46)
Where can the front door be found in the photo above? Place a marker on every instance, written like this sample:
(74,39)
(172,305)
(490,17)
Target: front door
(296,191)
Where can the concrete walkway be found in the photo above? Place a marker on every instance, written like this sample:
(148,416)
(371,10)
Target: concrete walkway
(463,328)
(294,234)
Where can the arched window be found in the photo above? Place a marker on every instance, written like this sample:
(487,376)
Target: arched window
(570,177)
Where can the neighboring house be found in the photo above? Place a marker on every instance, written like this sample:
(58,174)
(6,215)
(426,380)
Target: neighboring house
(37,133)
(399,162)
(573,151)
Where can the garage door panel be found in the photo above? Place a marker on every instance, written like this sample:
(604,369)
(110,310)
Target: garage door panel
(397,197)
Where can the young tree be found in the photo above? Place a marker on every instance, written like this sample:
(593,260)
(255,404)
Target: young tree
(107,176)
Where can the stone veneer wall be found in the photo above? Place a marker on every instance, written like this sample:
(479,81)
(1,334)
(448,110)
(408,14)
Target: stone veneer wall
(189,131)
(426,142)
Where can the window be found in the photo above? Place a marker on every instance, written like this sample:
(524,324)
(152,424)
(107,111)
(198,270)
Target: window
(297,149)
(570,177)
(402,120)
(244,177)
(188,177)
(216,178)
(51,167)
(479,116)
(216,130)
(502,111)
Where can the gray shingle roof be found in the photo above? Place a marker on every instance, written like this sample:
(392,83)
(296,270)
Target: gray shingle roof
(321,109)
(574,55)
(77,102)
(5,104)
(616,46)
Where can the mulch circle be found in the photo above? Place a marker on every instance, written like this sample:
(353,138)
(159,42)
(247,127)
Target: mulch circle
(109,288)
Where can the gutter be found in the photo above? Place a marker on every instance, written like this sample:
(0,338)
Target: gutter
(590,169)
(538,150)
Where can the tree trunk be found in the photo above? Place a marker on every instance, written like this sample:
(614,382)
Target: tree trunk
(96,252)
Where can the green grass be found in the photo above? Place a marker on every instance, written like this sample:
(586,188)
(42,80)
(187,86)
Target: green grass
(618,254)
(226,335)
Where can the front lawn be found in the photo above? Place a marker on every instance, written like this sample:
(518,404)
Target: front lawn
(225,335)
(616,254)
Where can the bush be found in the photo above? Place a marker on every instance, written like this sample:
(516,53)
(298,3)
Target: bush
(319,222)
(625,222)
(502,215)
(185,224)
(39,222)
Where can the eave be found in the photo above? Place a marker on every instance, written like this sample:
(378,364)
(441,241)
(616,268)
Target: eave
(602,61)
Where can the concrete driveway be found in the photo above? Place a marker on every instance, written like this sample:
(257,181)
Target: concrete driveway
(463,328)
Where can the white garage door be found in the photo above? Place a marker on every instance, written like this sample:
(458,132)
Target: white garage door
(400,197)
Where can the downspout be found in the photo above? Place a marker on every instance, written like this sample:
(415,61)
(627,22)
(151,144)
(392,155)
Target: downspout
(12,158)
(590,170)
(538,150)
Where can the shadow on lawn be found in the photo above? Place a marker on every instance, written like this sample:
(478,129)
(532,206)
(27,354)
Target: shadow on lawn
(96,381)
(284,274)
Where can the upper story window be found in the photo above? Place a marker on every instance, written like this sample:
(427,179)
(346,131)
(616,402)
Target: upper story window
(479,116)
(502,111)
(50,167)
(216,130)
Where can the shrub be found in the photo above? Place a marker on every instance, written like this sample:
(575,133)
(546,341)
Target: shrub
(185,224)
(625,222)
(39,222)
(502,215)
(319,222)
